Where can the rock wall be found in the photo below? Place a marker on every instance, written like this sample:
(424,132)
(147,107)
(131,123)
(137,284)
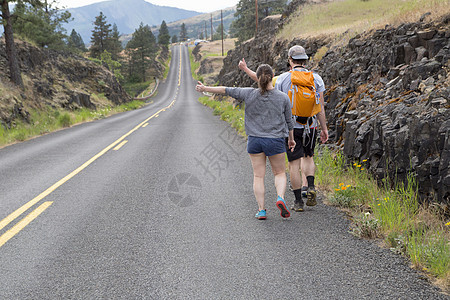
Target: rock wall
(386,100)
(57,79)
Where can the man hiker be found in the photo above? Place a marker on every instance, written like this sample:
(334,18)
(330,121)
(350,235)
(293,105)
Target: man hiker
(305,129)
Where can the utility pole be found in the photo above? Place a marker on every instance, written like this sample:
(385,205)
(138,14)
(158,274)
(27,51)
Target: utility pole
(206,33)
(256,9)
(221,22)
(211,29)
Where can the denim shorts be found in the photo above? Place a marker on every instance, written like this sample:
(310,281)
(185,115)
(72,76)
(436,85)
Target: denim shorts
(270,146)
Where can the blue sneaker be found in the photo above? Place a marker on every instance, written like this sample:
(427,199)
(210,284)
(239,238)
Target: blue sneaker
(261,215)
(284,211)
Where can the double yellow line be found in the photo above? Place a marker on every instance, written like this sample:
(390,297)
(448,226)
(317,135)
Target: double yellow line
(35,213)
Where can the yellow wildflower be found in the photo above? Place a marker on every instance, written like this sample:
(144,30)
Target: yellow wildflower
(379,204)
(364,160)
(348,185)
(362,169)
(448,224)
(341,184)
(355,164)
(343,188)
(359,166)
(337,189)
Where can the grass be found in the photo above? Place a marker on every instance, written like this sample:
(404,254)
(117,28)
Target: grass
(167,65)
(42,122)
(356,16)
(391,213)
(194,66)
(135,88)
(378,211)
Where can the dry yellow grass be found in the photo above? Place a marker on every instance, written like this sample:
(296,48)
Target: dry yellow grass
(355,16)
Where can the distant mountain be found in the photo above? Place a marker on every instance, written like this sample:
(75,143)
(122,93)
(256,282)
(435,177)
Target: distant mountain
(127,15)
(195,26)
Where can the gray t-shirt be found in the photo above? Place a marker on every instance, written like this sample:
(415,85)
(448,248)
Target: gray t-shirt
(283,84)
(268,115)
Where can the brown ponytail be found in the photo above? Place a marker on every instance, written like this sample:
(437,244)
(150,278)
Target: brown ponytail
(265,75)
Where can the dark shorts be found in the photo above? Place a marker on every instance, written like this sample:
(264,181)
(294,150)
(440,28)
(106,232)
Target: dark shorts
(270,146)
(304,147)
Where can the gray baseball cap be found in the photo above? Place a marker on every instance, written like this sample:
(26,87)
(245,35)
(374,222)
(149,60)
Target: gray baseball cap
(297,52)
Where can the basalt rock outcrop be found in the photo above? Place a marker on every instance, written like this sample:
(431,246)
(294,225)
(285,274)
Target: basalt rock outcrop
(388,102)
(387,98)
(56,79)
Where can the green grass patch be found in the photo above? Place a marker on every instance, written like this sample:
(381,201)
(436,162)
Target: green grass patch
(41,122)
(392,213)
(135,88)
(167,65)
(194,66)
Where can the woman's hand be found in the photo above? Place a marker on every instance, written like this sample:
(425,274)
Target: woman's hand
(200,87)
(291,144)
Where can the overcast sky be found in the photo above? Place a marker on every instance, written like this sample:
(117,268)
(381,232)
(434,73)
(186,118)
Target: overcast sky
(196,5)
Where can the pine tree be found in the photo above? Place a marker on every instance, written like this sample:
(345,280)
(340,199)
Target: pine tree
(183,33)
(243,26)
(41,24)
(174,38)
(163,36)
(114,45)
(142,49)
(100,36)
(75,41)
(48,31)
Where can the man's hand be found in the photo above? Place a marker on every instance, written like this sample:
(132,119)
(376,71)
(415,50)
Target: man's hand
(324,136)
(243,65)
(291,144)
(200,87)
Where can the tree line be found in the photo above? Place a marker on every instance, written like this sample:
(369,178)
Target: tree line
(41,23)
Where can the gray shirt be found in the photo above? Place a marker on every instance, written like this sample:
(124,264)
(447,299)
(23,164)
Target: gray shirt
(268,115)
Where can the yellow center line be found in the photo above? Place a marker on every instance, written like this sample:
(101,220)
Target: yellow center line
(179,74)
(24,222)
(145,125)
(120,145)
(48,191)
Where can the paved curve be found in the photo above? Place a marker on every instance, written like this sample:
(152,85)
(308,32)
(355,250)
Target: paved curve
(169,215)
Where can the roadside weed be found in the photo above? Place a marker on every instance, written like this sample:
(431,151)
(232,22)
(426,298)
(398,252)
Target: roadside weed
(387,210)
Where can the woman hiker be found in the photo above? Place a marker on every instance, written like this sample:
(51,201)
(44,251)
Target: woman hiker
(268,121)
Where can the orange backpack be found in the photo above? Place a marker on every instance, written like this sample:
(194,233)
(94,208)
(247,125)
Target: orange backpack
(302,93)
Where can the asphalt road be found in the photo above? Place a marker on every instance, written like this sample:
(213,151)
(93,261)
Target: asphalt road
(170,215)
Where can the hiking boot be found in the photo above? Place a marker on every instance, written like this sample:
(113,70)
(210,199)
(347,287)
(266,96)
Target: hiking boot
(284,212)
(304,192)
(298,205)
(261,214)
(311,195)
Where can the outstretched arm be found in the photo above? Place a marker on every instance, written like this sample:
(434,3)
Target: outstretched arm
(243,67)
(211,89)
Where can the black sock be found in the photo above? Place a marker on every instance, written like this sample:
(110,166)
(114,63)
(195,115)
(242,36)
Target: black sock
(304,188)
(298,194)
(310,180)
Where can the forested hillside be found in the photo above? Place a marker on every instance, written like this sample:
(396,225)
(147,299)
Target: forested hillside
(49,77)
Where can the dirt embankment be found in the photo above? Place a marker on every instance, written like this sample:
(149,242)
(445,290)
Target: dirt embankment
(55,79)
